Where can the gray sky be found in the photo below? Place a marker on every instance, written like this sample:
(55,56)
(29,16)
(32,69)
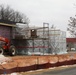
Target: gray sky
(55,12)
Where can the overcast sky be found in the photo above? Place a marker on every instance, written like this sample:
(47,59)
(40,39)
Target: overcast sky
(55,12)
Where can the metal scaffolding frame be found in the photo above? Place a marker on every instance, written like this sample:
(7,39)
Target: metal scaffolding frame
(46,40)
(34,40)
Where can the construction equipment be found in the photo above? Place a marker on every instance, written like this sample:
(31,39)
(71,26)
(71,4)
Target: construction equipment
(6,46)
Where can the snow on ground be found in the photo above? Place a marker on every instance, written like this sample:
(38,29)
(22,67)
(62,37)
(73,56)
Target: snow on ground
(4,60)
(15,74)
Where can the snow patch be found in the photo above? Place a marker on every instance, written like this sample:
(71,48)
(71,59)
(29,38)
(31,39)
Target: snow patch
(4,60)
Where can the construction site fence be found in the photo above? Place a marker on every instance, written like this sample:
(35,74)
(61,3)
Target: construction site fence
(28,63)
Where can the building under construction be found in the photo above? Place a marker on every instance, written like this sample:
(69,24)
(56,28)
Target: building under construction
(39,40)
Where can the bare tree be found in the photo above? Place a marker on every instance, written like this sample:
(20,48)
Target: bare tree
(8,15)
(72,26)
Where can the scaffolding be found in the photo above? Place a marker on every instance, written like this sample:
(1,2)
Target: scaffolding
(40,40)
(37,39)
(57,41)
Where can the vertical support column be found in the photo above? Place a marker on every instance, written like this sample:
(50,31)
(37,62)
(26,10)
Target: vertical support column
(33,44)
(44,27)
(43,37)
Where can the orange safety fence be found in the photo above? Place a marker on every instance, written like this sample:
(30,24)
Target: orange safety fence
(27,63)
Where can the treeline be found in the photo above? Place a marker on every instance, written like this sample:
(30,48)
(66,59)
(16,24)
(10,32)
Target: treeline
(9,15)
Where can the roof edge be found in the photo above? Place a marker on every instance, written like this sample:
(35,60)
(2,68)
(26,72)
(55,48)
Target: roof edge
(11,25)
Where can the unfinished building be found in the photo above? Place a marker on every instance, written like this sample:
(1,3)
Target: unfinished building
(39,40)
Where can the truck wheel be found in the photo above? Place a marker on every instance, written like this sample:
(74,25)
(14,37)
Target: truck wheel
(12,50)
(1,51)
